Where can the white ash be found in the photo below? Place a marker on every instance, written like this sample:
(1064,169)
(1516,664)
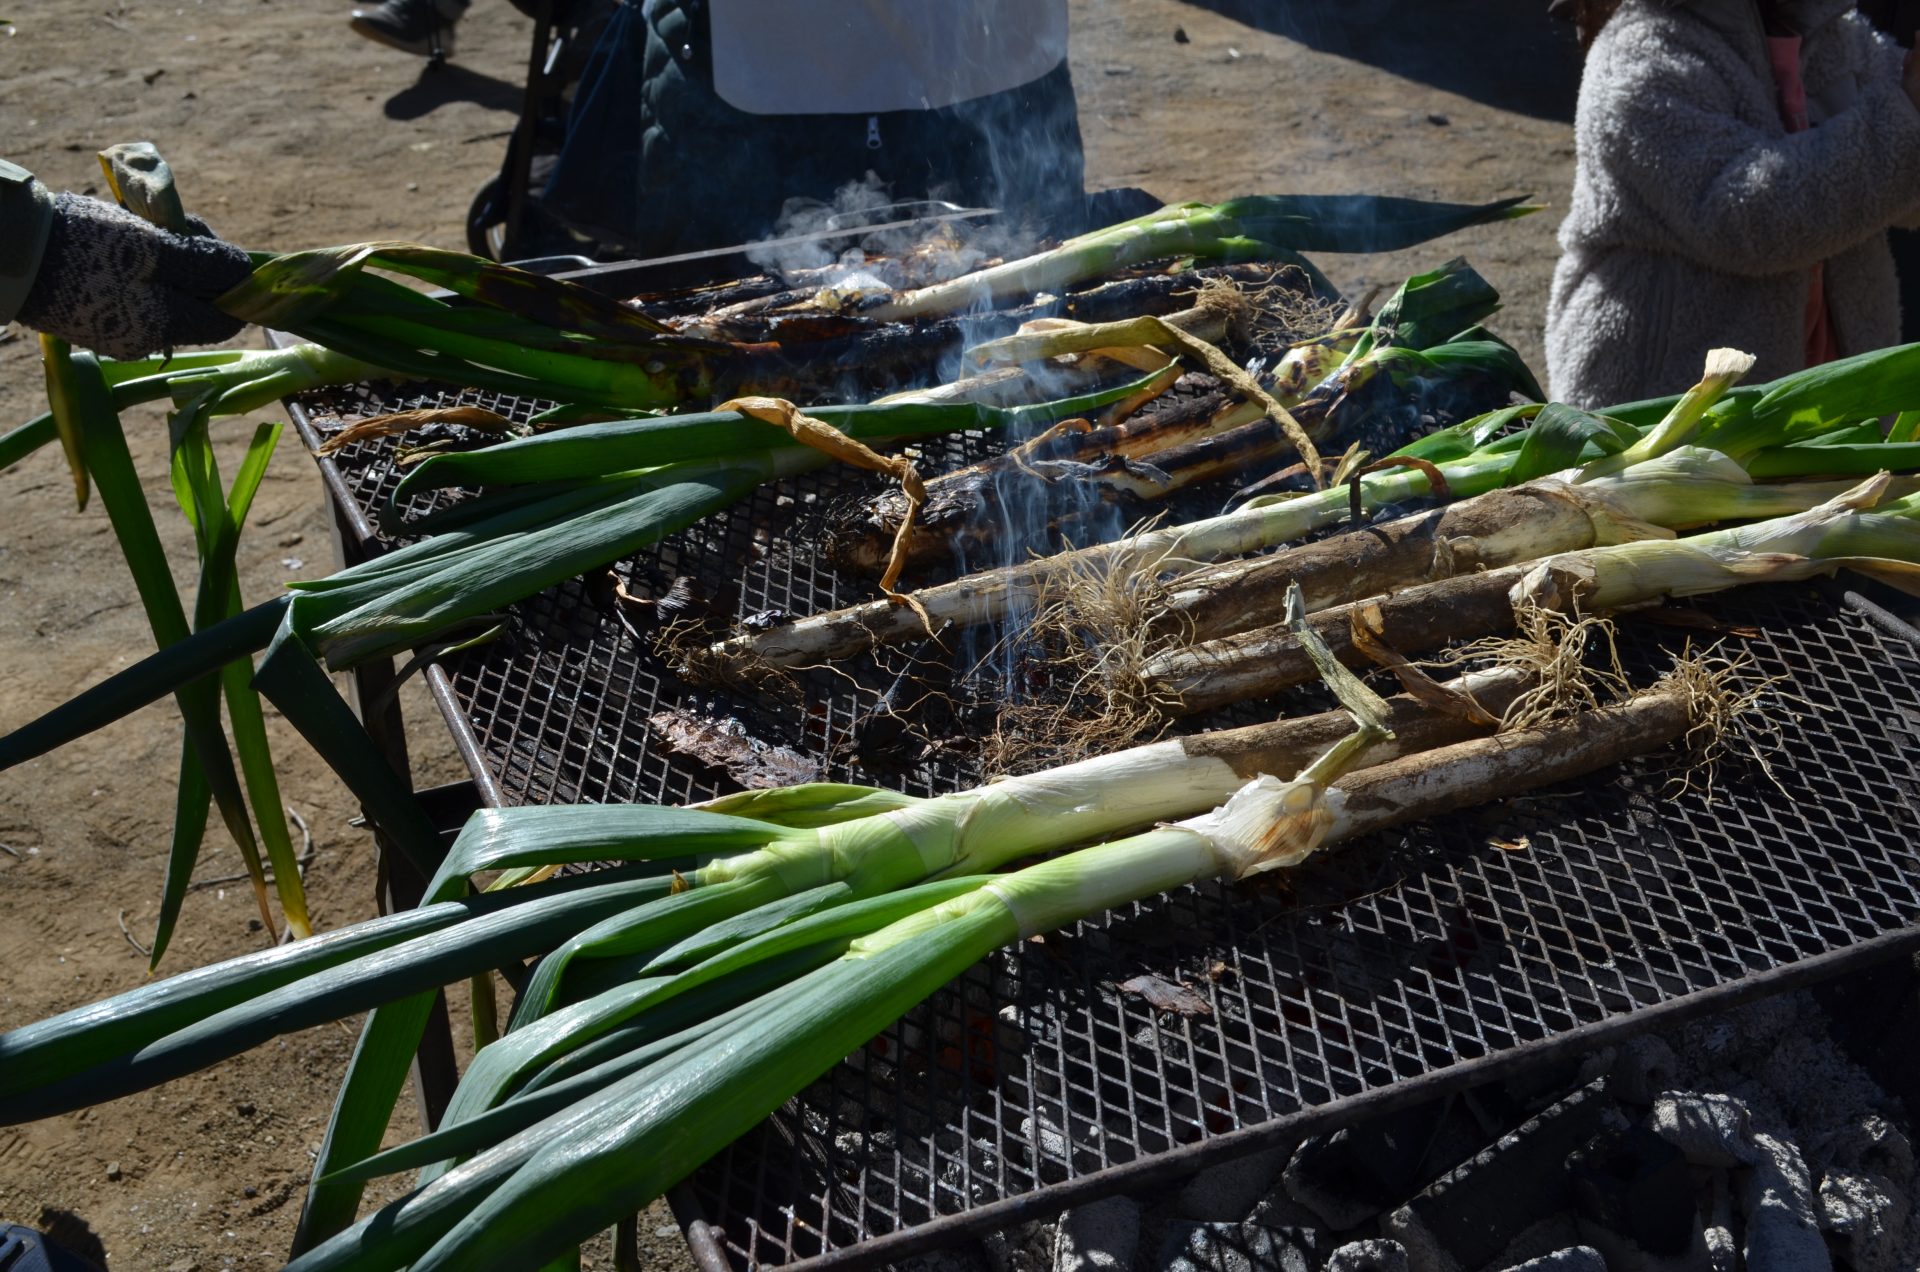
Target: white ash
(1860,1203)
(1377,1255)
(1102,1236)
(1723,1252)
(1227,1191)
(1777,1058)
(1045,1137)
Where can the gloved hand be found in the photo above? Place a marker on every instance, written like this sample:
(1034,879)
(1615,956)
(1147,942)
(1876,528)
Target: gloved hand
(110,282)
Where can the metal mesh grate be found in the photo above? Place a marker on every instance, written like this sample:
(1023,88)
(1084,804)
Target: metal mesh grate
(1402,955)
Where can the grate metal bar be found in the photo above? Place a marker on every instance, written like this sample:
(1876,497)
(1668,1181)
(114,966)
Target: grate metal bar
(1409,964)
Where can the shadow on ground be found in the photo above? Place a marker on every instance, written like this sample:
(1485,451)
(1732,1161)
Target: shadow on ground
(1505,53)
(441,85)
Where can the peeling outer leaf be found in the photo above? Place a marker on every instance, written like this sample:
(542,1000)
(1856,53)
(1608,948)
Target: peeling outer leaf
(1901,575)
(1368,709)
(56,357)
(1127,406)
(1166,995)
(1367,627)
(1436,481)
(824,437)
(372,426)
(1232,374)
(1511,845)
(1611,525)
(1348,466)
(1555,584)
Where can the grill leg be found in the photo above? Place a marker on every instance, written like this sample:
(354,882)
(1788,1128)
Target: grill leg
(435,1072)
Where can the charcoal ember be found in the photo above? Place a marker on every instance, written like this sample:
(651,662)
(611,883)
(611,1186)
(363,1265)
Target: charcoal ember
(1875,1018)
(1709,1128)
(1867,1213)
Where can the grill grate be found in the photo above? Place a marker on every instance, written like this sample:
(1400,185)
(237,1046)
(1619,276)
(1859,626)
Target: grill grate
(1399,957)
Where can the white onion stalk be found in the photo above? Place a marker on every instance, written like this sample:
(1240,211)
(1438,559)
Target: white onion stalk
(1853,529)
(992,594)
(1687,487)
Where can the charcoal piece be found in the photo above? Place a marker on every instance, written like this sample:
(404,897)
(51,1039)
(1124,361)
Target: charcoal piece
(1164,995)
(1358,1171)
(1475,1209)
(1636,1186)
(1642,1068)
(1228,1190)
(1368,1256)
(1571,1259)
(726,745)
(1239,1247)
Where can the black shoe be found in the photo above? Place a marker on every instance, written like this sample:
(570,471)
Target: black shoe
(421,27)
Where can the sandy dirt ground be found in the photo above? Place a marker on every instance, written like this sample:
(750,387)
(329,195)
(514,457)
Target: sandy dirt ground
(286,131)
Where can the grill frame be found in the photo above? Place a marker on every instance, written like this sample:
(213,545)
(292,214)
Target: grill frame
(742,1239)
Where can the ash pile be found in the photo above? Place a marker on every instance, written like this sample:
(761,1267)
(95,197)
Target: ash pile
(1775,1137)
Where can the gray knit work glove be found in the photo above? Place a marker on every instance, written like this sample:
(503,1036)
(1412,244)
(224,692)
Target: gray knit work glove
(109,281)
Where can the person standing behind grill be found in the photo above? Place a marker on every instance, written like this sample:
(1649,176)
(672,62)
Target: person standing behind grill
(1739,163)
(1900,19)
(696,120)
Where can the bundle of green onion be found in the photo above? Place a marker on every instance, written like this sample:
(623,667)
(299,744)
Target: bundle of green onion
(501,329)
(1816,423)
(668,1018)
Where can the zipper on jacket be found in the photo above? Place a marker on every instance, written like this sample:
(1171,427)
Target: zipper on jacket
(873,132)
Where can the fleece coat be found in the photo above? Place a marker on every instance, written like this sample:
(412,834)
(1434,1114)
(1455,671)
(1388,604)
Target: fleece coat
(1696,217)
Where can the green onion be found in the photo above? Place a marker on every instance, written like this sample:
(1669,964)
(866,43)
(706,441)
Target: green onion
(1275,225)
